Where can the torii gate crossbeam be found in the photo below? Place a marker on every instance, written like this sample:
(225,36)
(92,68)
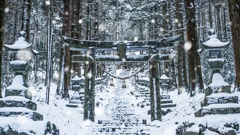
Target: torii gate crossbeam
(91,49)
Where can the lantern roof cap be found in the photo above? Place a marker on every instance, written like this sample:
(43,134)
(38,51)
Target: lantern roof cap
(214,42)
(19,44)
(164,77)
(76,78)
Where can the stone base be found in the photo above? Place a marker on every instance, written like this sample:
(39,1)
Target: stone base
(218,109)
(14,92)
(17,101)
(19,111)
(186,129)
(225,89)
(220,98)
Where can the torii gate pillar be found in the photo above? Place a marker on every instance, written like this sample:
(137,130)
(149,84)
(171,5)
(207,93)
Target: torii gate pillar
(156,112)
(89,98)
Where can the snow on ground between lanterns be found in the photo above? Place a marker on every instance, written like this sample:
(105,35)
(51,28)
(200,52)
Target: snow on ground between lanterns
(70,120)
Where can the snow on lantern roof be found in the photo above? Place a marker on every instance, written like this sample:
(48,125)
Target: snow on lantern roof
(17,83)
(19,44)
(76,78)
(164,77)
(217,80)
(214,42)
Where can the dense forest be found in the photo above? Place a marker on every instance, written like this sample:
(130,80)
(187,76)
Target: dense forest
(45,22)
(53,26)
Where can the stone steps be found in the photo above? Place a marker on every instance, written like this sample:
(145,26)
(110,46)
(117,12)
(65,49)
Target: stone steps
(168,105)
(210,124)
(165,97)
(230,108)
(17,101)
(20,111)
(220,98)
(166,101)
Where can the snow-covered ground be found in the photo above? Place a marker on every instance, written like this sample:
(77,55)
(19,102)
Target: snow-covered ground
(70,120)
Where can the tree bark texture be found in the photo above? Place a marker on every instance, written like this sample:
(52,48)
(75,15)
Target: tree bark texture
(67,32)
(234,13)
(192,38)
(29,5)
(2,15)
(155,98)
(210,14)
(89,94)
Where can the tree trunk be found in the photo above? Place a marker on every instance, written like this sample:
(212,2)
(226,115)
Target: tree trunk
(2,15)
(218,12)
(60,72)
(210,14)
(23,16)
(66,31)
(180,51)
(15,34)
(29,5)
(225,36)
(192,39)
(234,13)
(79,31)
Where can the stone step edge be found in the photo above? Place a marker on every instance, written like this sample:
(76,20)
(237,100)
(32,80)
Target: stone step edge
(13,111)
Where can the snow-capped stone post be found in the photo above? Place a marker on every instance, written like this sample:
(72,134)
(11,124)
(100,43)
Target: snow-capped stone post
(90,73)
(164,80)
(215,48)
(155,98)
(22,52)
(121,48)
(75,100)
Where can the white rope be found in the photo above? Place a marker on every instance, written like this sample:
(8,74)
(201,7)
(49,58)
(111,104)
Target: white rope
(122,77)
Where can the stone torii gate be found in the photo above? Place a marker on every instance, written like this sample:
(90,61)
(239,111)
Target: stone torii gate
(91,48)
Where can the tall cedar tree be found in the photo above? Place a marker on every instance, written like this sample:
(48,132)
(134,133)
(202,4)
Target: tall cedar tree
(193,57)
(181,65)
(29,8)
(234,13)
(2,15)
(66,31)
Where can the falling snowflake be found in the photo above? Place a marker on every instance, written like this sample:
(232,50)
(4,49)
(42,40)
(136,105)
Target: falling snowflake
(47,2)
(101,27)
(98,111)
(80,21)
(136,38)
(6,9)
(89,75)
(187,46)
(66,69)
(152,21)
(54,22)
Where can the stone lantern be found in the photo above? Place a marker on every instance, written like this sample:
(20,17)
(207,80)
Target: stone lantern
(213,50)
(22,53)
(77,84)
(164,80)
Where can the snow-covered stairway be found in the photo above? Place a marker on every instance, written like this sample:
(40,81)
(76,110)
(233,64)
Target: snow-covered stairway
(144,93)
(219,115)
(121,114)
(166,102)
(219,103)
(13,106)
